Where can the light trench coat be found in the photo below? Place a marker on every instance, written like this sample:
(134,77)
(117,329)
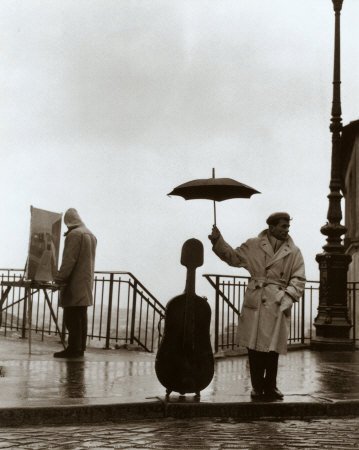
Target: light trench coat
(77,267)
(262,325)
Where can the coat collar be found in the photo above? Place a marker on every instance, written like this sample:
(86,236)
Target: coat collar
(286,248)
(69,229)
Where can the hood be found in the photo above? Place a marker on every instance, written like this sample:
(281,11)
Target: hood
(72,218)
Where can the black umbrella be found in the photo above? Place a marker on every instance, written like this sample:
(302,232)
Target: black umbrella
(216,189)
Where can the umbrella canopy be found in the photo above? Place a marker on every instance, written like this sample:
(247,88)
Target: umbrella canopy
(216,189)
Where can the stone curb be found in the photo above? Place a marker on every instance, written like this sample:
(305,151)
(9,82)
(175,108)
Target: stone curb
(76,414)
(263,410)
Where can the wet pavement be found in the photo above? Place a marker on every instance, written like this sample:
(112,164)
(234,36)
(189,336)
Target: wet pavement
(214,434)
(124,382)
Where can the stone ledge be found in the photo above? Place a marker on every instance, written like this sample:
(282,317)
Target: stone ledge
(160,409)
(74,414)
(263,410)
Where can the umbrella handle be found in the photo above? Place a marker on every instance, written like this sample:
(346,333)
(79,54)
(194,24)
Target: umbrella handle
(214,202)
(214,211)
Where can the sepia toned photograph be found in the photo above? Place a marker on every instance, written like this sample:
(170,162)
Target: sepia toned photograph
(179,264)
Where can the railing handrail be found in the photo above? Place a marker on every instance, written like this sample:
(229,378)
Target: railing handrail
(112,289)
(229,297)
(220,293)
(244,277)
(158,303)
(113,272)
(122,290)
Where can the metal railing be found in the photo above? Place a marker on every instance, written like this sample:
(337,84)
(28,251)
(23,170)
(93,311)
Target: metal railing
(123,312)
(229,294)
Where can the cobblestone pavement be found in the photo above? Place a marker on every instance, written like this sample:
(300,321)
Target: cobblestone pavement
(194,434)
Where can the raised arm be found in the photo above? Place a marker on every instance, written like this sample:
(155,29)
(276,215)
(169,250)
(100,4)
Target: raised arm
(233,257)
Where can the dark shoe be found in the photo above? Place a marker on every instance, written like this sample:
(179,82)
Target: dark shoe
(256,395)
(274,394)
(68,354)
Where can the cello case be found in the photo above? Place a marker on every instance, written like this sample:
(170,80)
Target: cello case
(184,361)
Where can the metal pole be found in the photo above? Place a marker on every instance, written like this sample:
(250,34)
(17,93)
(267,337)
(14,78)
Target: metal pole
(133,317)
(24,317)
(109,313)
(29,303)
(332,323)
(214,203)
(354,312)
(216,316)
(303,319)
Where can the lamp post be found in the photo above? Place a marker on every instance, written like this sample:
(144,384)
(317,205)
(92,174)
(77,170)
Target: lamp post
(332,322)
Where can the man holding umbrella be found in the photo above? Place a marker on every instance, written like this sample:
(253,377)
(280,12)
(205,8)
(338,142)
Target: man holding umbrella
(277,280)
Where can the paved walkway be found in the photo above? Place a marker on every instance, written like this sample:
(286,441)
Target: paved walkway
(121,384)
(195,434)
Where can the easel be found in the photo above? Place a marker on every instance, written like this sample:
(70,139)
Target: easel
(31,288)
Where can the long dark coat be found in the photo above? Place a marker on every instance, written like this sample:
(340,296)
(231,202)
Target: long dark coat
(262,325)
(77,267)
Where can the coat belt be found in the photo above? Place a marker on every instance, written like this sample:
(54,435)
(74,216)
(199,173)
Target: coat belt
(258,282)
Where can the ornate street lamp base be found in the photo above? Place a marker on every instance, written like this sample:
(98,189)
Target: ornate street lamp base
(332,322)
(332,344)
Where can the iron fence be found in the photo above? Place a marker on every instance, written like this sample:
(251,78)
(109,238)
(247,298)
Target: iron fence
(229,294)
(124,311)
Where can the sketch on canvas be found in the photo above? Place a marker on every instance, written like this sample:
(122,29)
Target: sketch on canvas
(44,245)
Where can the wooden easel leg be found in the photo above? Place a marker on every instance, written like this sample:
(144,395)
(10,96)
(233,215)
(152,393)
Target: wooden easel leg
(54,318)
(4,295)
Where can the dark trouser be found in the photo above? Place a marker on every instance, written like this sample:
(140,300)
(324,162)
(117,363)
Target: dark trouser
(75,319)
(263,367)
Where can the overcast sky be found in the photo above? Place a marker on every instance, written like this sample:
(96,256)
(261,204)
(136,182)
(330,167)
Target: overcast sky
(107,105)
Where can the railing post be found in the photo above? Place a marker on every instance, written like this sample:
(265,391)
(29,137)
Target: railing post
(354,319)
(303,319)
(216,316)
(109,313)
(133,315)
(1,304)
(24,318)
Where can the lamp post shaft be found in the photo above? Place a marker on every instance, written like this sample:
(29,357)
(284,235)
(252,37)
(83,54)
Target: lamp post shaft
(332,322)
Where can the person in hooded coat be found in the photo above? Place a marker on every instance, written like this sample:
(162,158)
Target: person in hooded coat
(77,275)
(277,280)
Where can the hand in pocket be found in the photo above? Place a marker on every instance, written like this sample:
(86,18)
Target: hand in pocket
(286,305)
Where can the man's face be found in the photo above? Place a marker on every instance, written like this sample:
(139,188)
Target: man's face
(281,230)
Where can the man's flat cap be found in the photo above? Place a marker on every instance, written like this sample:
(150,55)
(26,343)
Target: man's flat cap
(277,216)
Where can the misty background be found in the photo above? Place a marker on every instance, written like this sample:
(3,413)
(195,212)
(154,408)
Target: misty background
(107,105)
